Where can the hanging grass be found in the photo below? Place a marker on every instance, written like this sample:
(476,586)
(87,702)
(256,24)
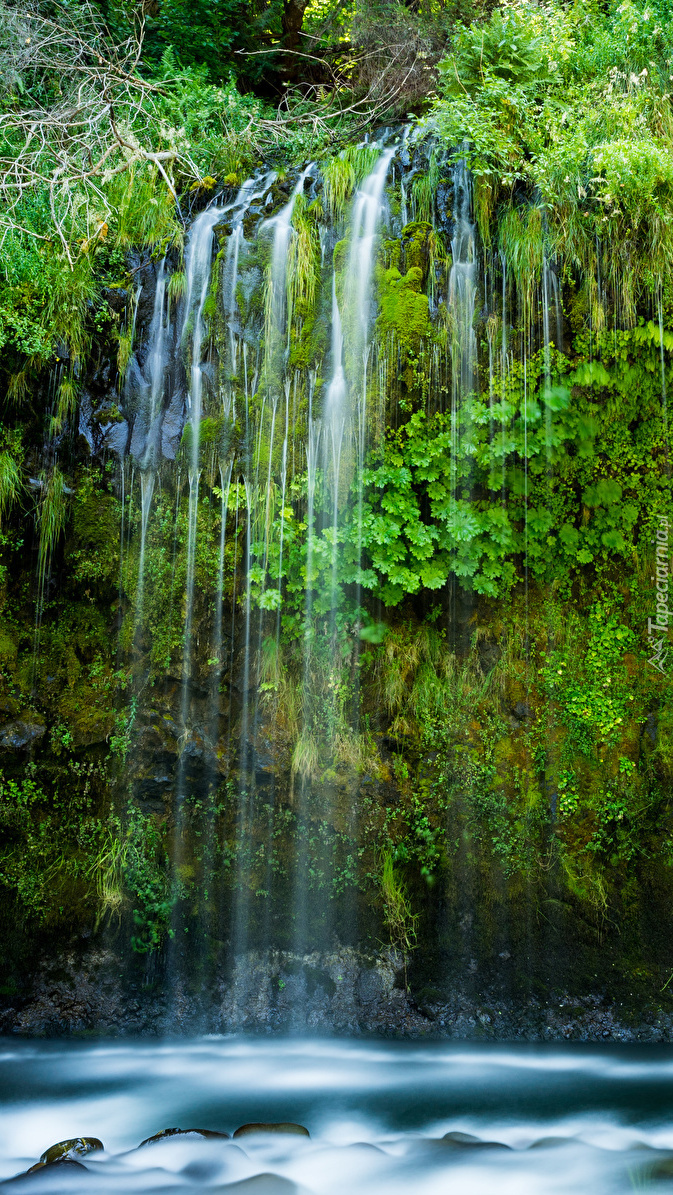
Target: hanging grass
(424,190)
(66,404)
(143,210)
(397,913)
(342,174)
(521,241)
(177,286)
(306,756)
(304,260)
(566,125)
(107,870)
(52,517)
(11,483)
(124,350)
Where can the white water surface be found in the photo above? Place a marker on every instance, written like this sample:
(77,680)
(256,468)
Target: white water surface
(575,1118)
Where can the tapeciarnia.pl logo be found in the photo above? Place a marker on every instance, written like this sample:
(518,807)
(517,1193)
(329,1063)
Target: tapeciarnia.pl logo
(657,628)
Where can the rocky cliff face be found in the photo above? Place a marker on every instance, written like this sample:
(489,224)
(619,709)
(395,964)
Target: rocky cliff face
(306,720)
(342,992)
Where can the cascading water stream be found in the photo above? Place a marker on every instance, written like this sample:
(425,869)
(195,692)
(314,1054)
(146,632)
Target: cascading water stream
(193,338)
(277,321)
(257,465)
(198,263)
(335,422)
(335,453)
(198,266)
(345,408)
(461,301)
(147,430)
(156,369)
(462,292)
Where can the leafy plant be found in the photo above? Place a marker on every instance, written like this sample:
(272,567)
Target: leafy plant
(397,912)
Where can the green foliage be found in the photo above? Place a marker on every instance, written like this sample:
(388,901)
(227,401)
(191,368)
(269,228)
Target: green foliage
(569,106)
(52,516)
(341,175)
(506,47)
(397,914)
(147,877)
(61,860)
(49,838)
(11,459)
(595,706)
(403,307)
(211,37)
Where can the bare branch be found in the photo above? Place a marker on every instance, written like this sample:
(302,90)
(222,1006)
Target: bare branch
(104,120)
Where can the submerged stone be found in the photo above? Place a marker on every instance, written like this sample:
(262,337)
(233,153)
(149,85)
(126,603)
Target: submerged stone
(296,1130)
(264,1184)
(182,1133)
(662,1169)
(45,1168)
(67,1150)
(467,1141)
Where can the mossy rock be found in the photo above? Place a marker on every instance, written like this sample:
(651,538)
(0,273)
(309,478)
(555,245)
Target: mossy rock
(164,1134)
(8,645)
(339,255)
(418,245)
(403,308)
(287,1127)
(73,1147)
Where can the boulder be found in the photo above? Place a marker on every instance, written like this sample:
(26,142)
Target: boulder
(467,1141)
(14,736)
(41,1168)
(181,1133)
(264,1184)
(75,1147)
(296,1130)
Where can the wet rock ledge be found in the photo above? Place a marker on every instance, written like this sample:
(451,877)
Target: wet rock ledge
(340,992)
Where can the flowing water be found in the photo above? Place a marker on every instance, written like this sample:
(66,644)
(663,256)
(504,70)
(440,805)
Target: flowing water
(521,1120)
(269,355)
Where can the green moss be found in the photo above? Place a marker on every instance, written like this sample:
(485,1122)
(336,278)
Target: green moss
(8,645)
(403,308)
(340,254)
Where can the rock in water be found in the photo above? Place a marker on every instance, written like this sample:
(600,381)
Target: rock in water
(661,1169)
(264,1184)
(40,1168)
(467,1141)
(297,1130)
(181,1133)
(75,1147)
(206,1133)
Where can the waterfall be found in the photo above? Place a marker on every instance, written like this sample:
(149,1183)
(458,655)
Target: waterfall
(277,322)
(156,369)
(198,262)
(146,491)
(335,422)
(286,403)
(335,452)
(147,429)
(327,496)
(461,299)
(198,265)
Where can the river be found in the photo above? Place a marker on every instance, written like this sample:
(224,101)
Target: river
(559,1119)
